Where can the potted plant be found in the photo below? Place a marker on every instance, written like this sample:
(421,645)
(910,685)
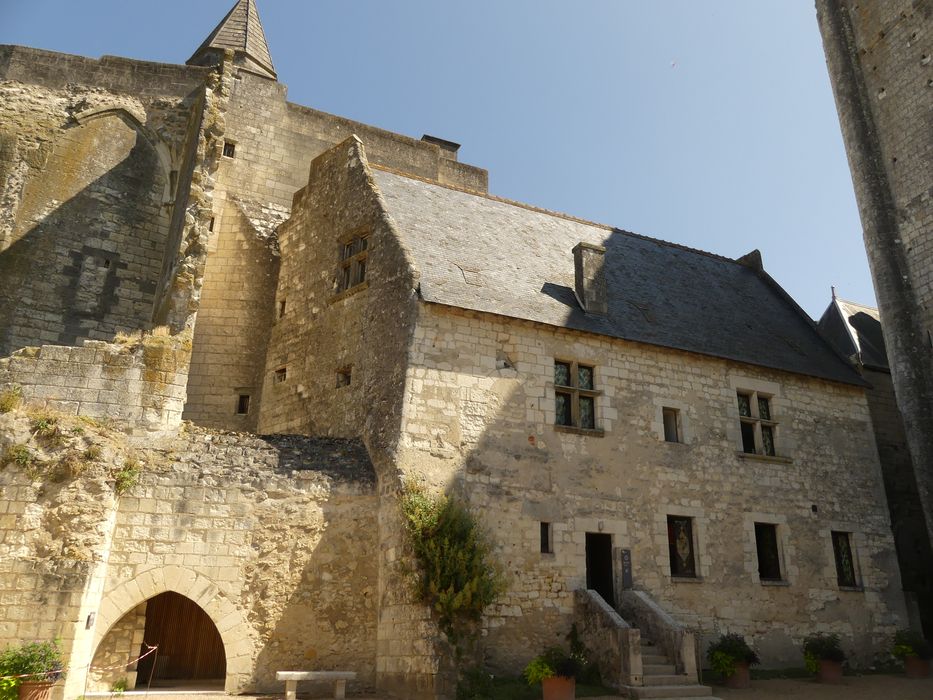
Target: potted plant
(37,665)
(731,657)
(823,655)
(911,648)
(556,671)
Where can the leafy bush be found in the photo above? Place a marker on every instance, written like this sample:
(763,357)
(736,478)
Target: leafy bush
(553,662)
(127,476)
(475,684)
(458,577)
(119,686)
(909,643)
(729,650)
(41,660)
(822,647)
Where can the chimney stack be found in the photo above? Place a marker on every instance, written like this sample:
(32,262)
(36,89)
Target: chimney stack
(590,278)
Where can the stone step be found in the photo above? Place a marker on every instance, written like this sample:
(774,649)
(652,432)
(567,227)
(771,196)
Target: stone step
(669,679)
(663,669)
(669,692)
(654,659)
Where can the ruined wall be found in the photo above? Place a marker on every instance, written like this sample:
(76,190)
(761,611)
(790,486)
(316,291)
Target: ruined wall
(274,145)
(479,421)
(275,539)
(90,153)
(881,67)
(140,384)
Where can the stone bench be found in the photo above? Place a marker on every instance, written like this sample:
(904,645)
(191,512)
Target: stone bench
(339,678)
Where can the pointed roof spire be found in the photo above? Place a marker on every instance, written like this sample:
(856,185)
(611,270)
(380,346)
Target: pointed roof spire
(241,31)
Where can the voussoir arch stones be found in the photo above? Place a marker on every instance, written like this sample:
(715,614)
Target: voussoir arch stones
(235,633)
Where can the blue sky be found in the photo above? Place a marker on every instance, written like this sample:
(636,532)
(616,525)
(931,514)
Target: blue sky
(710,124)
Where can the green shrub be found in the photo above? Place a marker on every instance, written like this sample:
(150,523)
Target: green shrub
(457,575)
(729,650)
(119,686)
(127,476)
(553,662)
(41,660)
(475,684)
(909,643)
(822,647)
(45,427)
(20,455)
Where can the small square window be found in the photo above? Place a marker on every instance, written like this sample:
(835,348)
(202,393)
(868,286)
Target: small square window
(242,404)
(680,544)
(845,563)
(281,374)
(229,149)
(344,376)
(672,431)
(547,538)
(769,556)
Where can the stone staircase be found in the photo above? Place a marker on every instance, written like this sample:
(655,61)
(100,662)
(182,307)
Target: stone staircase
(661,679)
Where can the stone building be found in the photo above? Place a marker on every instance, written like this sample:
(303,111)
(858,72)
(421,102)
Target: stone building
(879,58)
(855,331)
(658,441)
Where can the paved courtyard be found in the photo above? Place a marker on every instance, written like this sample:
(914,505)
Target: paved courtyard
(852,688)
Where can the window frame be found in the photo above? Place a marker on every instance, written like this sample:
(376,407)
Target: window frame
(778,554)
(353,256)
(692,533)
(678,424)
(757,423)
(546,537)
(574,392)
(856,583)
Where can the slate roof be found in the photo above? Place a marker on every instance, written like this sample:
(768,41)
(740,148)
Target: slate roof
(241,30)
(855,330)
(478,252)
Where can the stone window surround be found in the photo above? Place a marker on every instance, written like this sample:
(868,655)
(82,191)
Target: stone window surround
(701,558)
(551,390)
(785,549)
(856,545)
(784,443)
(348,279)
(657,425)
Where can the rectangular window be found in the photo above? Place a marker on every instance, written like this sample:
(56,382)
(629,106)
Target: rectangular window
(353,258)
(547,540)
(769,557)
(242,404)
(281,374)
(574,395)
(282,308)
(845,564)
(672,431)
(758,428)
(229,149)
(680,542)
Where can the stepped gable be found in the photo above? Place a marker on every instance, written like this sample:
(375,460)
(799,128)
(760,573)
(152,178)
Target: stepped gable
(485,254)
(241,30)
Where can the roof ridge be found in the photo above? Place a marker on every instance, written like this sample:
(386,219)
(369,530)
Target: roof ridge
(550,212)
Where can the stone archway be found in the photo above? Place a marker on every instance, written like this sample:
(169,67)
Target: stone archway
(236,634)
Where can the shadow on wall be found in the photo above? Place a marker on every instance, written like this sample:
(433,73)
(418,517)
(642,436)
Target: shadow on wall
(89,239)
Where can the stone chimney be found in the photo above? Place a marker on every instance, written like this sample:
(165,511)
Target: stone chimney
(590,278)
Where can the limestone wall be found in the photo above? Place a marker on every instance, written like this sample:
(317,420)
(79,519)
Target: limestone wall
(139,384)
(89,169)
(479,420)
(275,539)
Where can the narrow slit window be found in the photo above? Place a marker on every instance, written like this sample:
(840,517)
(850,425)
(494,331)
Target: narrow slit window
(845,564)
(680,543)
(282,308)
(242,404)
(547,539)
(769,556)
(671,418)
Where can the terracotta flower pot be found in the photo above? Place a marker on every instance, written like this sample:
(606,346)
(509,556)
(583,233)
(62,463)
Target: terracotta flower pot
(829,672)
(559,688)
(742,678)
(35,690)
(915,667)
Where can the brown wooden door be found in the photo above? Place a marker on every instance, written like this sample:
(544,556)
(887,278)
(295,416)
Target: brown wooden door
(190,648)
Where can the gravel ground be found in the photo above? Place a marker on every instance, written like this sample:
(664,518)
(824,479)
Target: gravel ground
(851,688)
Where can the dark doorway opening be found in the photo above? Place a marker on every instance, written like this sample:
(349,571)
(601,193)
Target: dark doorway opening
(190,647)
(599,565)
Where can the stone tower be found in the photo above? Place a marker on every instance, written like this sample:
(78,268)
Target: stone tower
(879,56)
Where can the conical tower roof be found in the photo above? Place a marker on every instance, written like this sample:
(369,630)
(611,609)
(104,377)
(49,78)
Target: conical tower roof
(241,30)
